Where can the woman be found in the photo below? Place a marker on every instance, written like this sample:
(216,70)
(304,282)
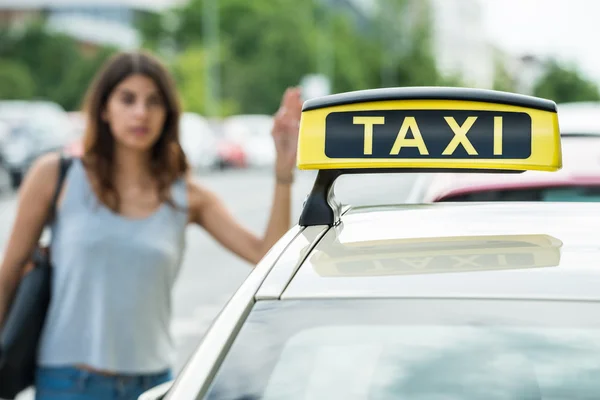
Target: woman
(119,234)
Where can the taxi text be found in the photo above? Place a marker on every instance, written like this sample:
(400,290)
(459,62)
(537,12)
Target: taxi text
(428,134)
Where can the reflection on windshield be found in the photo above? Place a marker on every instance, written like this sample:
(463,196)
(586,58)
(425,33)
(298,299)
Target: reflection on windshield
(414,349)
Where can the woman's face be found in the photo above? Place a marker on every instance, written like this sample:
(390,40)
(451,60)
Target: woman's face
(136,113)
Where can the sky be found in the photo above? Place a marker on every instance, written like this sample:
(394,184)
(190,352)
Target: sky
(569,29)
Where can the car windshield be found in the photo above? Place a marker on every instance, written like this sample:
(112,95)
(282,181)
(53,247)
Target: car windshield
(561,194)
(383,349)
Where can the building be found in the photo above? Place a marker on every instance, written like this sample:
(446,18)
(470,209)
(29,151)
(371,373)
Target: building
(460,43)
(525,70)
(91,22)
(459,40)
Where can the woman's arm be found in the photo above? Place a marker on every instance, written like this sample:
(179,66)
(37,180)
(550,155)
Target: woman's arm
(207,210)
(35,198)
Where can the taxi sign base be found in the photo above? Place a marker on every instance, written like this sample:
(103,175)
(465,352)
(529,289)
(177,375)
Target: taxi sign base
(322,208)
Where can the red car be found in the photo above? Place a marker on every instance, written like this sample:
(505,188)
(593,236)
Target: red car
(579,180)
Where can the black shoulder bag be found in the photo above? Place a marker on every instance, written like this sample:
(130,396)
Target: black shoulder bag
(26,315)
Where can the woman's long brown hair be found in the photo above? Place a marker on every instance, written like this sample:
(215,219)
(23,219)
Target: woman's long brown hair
(168,161)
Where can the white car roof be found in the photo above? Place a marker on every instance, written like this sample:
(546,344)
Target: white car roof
(495,250)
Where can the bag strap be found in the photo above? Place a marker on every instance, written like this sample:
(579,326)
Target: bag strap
(64,164)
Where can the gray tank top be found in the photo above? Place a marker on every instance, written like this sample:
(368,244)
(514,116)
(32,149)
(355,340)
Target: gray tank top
(111,288)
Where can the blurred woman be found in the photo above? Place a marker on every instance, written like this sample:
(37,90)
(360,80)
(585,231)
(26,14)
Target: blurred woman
(118,239)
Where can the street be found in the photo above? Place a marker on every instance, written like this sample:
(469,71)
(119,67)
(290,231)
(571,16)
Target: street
(210,274)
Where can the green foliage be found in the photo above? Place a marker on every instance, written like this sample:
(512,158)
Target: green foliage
(151,28)
(502,79)
(355,66)
(417,67)
(79,78)
(417,64)
(563,83)
(189,70)
(16,82)
(48,57)
(452,80)
(267,45)
(261,47)
(55,64)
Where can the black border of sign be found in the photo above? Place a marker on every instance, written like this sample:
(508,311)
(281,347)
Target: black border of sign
(430,93)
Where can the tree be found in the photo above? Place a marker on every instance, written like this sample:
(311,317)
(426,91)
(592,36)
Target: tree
(418,65)
(563,84)
(356,57)
(270,43)
(189,71)
(502,78)
(264,47)
(16,82)
(267,45)
(49,58)
(71,95)
(58,68)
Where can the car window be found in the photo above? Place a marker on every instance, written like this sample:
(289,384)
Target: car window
(413,349)
(577,194)
(562,194)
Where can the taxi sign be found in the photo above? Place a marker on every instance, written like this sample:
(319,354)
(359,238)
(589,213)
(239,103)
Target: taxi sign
(424,129)
(442,128)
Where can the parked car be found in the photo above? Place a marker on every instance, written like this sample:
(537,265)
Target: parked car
(247,141)
(4,135)
(199,141)
(579,119)
(36,128)
(578,181)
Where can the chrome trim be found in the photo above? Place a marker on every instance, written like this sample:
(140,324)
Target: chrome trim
(157,392)
(289,262)
(286,267)
(432,296)
(346,208)
(196,377)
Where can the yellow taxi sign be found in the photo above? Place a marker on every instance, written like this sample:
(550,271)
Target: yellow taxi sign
(429,128)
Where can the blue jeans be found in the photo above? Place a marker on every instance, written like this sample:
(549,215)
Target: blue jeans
(68,383)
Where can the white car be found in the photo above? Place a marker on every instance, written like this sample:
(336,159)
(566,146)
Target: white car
(580,135)
(415,301)
(199,141)
(253,134)
(36,127)
(579,119)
